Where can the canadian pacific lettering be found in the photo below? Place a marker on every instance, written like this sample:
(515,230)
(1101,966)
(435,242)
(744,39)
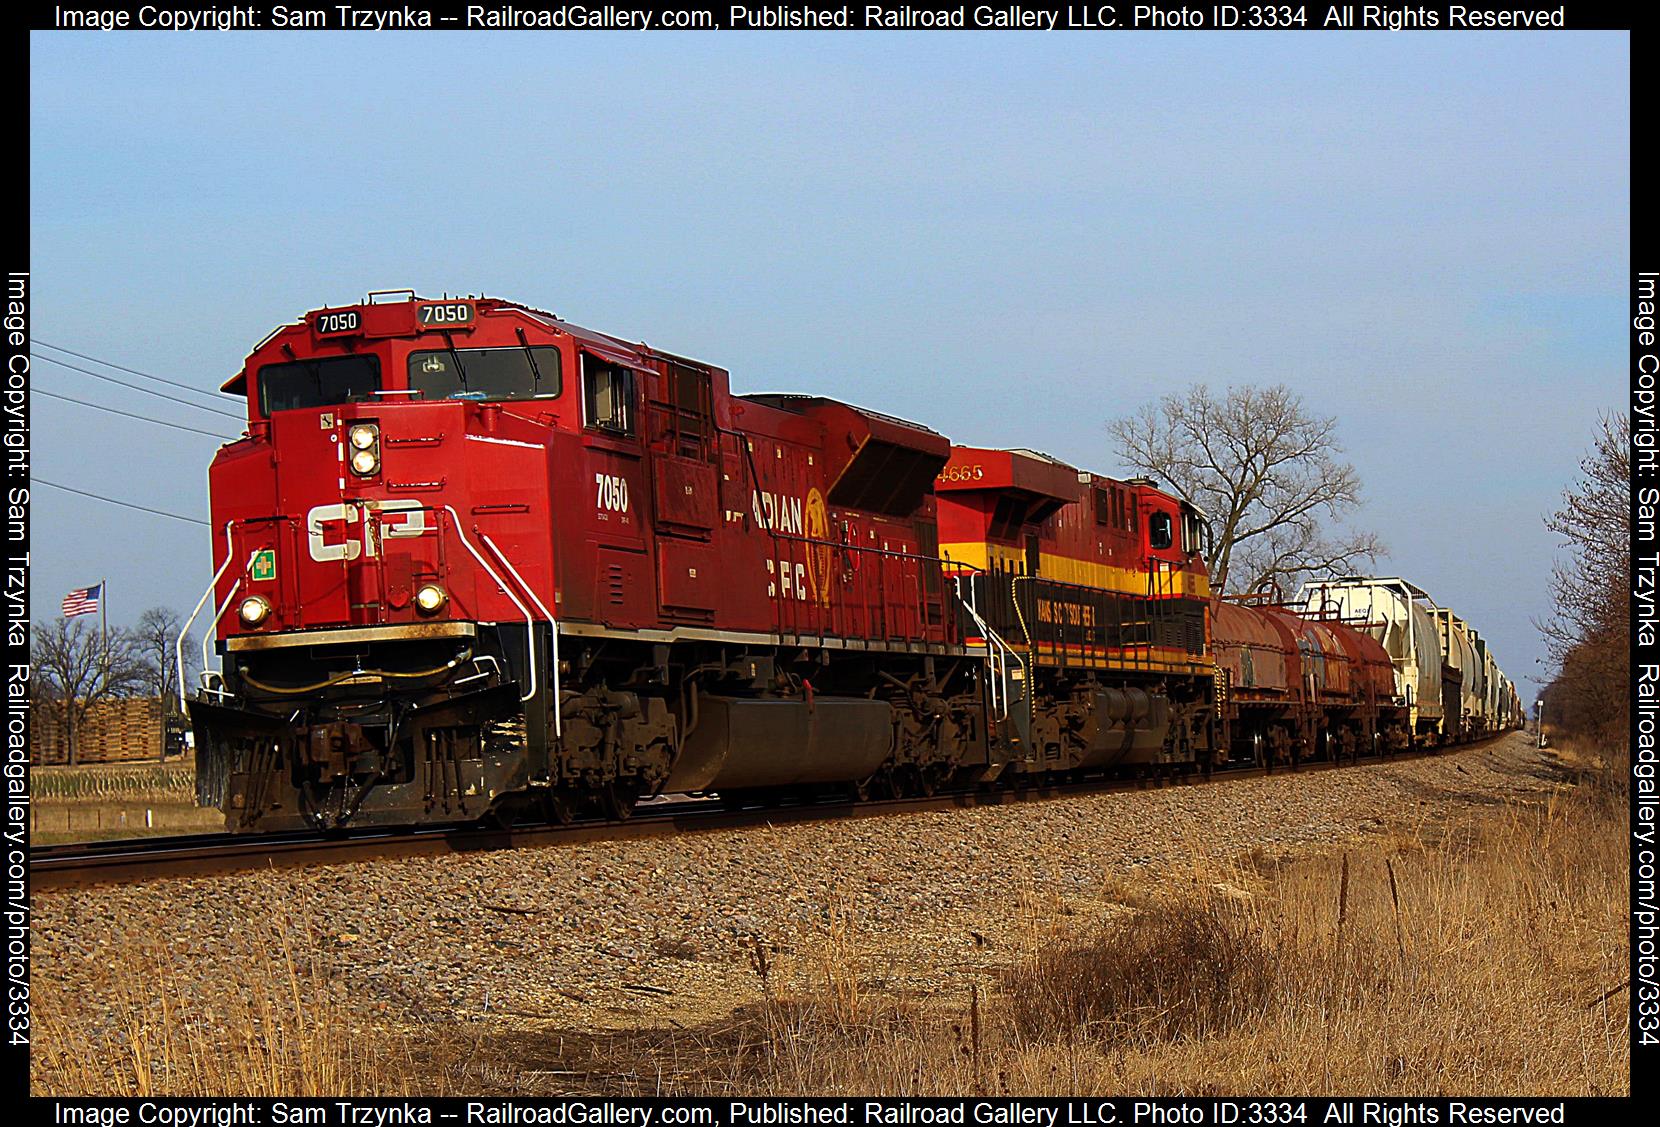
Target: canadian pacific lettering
(778,513)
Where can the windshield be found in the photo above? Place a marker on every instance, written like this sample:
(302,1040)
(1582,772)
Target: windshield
(317,383)
(486,373)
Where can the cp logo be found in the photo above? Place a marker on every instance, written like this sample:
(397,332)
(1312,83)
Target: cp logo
(414,523)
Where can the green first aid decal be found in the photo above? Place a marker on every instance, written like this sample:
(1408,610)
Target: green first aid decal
(265,564)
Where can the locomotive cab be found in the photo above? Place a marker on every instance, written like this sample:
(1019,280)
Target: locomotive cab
(433,497)
(380,603)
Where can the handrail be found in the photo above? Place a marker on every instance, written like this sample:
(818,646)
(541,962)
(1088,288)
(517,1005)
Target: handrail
(369,299)
(207,635)
(998,653)
(178,644)
(219,611)
(875,602)
(530,626)
(553,671)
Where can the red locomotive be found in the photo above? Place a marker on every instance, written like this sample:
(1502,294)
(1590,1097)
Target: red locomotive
(472,560)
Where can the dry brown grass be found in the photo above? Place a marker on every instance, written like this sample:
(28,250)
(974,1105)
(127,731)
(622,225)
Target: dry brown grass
(100,802)
(1169,972)
(1481,957)
(282,1029)
(59,821)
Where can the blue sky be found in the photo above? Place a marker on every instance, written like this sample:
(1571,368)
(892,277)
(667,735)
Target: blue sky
(1012,237)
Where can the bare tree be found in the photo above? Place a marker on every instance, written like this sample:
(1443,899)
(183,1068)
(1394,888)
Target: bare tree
(157,635)
(76,666)
(1589,633)
(1590,591)
(158,632)
(1266,474)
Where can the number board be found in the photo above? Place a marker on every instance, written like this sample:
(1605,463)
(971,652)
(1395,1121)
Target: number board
(444,314)
(338,321)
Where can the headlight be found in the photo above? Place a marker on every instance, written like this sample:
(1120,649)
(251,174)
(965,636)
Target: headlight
(253,610)
(363,440)
(430,599)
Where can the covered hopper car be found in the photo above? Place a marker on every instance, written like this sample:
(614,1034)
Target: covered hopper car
(1451,682)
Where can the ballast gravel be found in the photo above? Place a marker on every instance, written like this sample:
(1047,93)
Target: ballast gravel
(674,931)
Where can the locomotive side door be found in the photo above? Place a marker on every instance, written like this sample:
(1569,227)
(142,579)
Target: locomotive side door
(614,481)
(684,454)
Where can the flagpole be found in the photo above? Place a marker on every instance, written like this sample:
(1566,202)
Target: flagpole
(104,619)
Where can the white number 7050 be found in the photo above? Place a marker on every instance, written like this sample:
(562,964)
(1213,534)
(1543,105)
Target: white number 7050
(613,492)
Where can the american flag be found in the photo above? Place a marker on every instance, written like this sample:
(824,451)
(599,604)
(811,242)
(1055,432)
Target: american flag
(82,600)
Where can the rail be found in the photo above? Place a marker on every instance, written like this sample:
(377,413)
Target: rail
(1097,623)
(89,863)
(213,625)
(853,592)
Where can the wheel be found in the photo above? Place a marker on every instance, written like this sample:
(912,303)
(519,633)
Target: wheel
(617,798)
(923,782)
(558,807)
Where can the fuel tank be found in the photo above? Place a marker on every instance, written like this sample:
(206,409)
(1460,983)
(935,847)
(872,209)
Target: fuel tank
(740,743)
(1124,725)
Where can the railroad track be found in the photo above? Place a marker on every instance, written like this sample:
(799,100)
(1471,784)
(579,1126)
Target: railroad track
(141,859)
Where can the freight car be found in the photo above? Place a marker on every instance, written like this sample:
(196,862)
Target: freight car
(1444,670)
(1295,687)
(474,561)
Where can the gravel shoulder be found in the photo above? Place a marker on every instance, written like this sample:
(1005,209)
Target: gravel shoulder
(673,932)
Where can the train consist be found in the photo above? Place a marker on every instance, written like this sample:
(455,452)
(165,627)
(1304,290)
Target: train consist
(474,561)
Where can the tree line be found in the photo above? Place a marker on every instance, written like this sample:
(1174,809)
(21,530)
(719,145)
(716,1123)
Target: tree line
(78,665)
(1589,631)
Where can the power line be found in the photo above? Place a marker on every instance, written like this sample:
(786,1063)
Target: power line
(124,368)
(123,504)
(129,414)
(136,387)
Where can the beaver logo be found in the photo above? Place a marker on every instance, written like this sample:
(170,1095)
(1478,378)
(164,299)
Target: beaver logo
(819,555)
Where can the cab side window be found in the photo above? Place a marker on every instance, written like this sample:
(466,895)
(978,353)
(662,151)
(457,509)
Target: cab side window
(607,395)
(1160,532)
(1193,532)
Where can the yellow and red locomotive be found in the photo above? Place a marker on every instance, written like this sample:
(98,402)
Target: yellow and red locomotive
(472,560)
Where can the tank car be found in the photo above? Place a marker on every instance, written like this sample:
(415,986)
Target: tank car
(1450,676)
(1458,652)
(1292,688)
